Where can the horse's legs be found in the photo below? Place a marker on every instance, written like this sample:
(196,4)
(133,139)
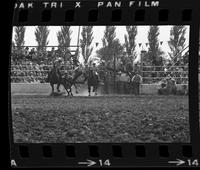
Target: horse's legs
(52,88)
(95,89)
(67,91)
(58,85)
(75,88)
(71,91)
(89,88)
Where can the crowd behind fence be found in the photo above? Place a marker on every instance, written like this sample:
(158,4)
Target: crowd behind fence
(37,73)
(151,74)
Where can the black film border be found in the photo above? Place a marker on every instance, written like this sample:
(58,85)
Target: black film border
(179,12)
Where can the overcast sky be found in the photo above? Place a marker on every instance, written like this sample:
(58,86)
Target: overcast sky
(98,32)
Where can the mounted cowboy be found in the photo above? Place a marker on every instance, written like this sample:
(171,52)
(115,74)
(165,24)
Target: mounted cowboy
(57,65)
(55,76)
(92,78)
(94,69)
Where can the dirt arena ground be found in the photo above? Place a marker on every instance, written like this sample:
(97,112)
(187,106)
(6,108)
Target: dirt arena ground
(145,118)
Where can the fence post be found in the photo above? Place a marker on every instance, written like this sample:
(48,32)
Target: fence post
(114,73)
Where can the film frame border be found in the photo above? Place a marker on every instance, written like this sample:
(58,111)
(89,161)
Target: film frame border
(24,154)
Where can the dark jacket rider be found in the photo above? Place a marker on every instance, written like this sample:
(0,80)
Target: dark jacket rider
(56,68)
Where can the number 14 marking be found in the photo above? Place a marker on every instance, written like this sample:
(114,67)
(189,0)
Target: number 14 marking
(104,163)
(193,162)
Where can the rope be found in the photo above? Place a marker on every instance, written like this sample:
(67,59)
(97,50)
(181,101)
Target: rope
(176,56)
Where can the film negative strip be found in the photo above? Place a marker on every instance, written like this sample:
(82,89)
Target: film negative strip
(127,76)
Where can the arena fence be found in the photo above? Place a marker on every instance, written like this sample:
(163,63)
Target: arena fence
(150,74)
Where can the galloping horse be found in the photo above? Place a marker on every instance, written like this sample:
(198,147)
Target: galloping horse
(92,81)
(54,77)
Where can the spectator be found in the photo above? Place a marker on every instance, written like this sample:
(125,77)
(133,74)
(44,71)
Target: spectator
(136,81)
(26,51)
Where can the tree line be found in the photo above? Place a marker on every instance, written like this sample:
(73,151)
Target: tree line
(112,47)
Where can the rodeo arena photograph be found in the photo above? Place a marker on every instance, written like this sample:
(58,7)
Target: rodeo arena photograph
(100,84)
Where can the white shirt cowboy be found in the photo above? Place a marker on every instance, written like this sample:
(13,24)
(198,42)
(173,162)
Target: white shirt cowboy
(137,78)
(94,68)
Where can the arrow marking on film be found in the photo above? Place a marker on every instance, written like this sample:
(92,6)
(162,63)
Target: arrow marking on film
(177,162)
(88,163)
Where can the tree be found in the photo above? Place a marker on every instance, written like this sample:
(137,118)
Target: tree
(41,34)
(13,47)
(177,42)
(64,40)
(19,37)
(154,52)
(111,45)
(130,54)
(130,41)
(85,43)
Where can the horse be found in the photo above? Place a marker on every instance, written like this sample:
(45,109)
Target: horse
(55,77)
(92,81)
